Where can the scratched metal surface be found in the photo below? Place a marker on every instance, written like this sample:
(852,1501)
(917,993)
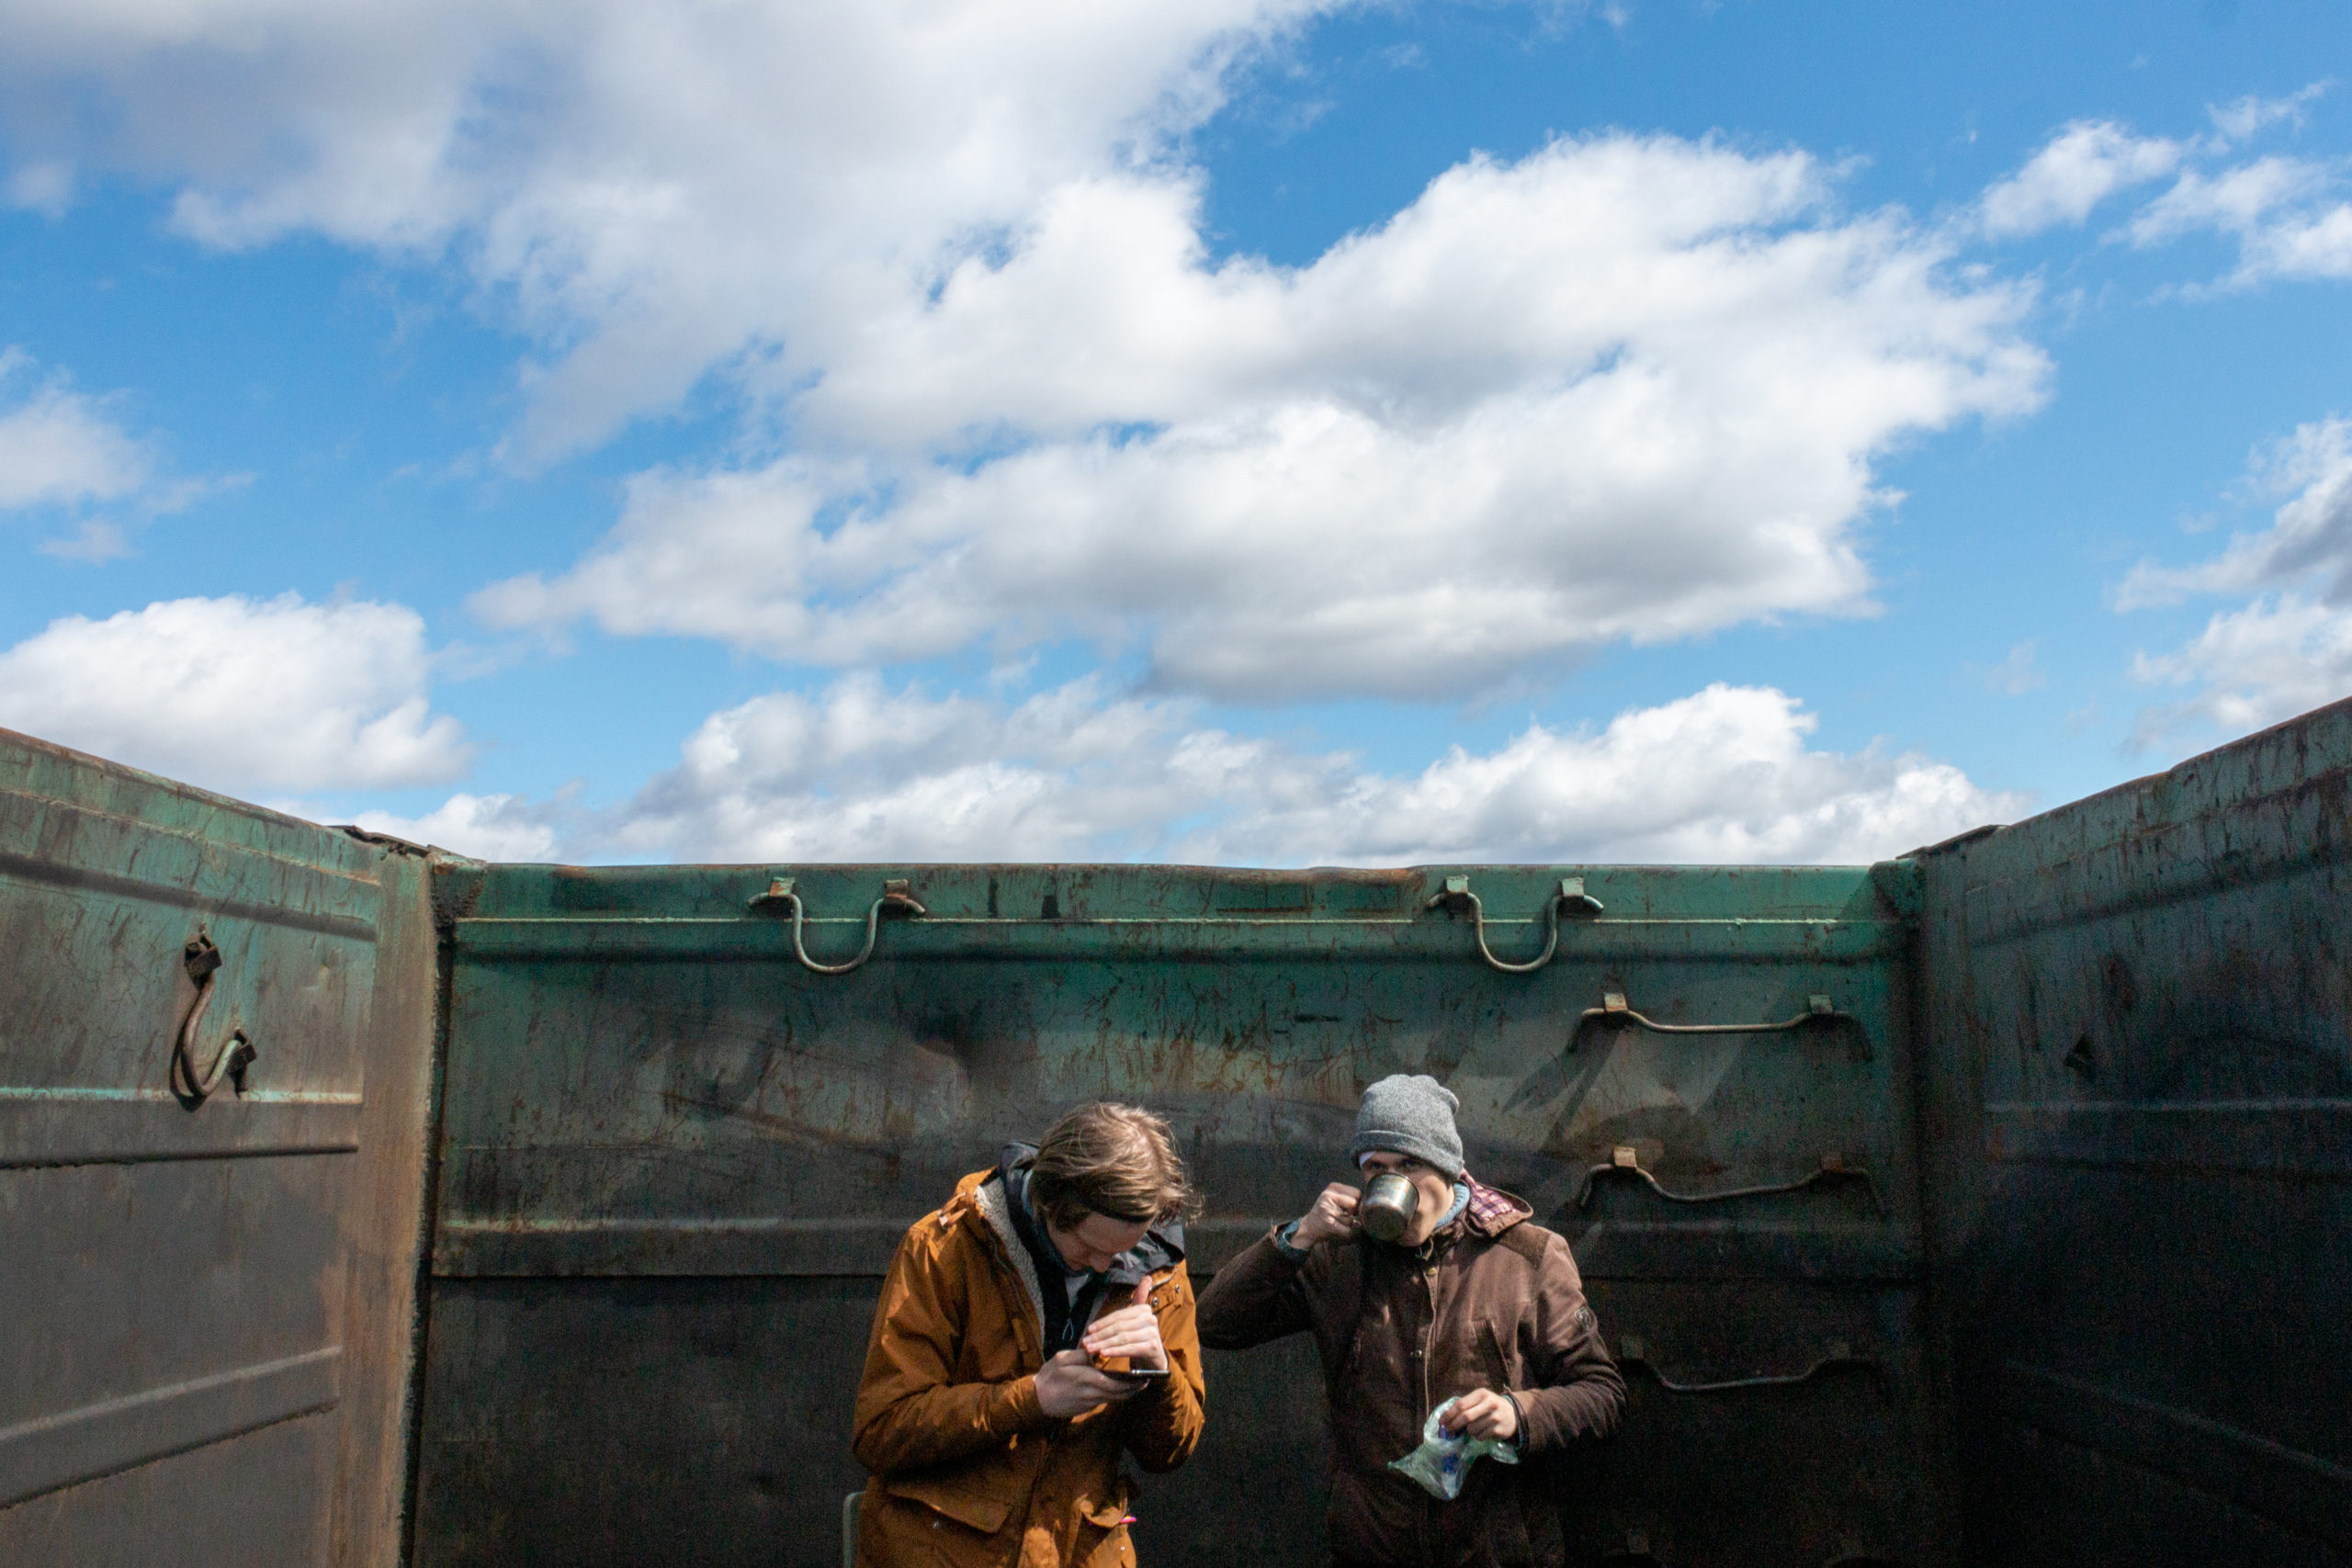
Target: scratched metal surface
(204,1302)
(675,1163)
(2139,1102)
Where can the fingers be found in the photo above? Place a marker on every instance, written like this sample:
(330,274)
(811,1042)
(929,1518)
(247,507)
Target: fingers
(1069,1385)
(1127,1321)
(1135,1347)
(1343,1198)
(1480,1413)
(1130,1338)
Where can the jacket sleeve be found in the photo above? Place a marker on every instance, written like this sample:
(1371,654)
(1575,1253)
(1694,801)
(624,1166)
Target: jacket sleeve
(1258,1295)
(908,1413)
(1575,1389)
(1162,1424)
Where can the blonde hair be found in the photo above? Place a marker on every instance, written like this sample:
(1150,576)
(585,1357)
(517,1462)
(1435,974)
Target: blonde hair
(1119,1161)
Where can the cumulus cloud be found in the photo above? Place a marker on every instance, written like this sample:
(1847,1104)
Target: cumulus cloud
(487,827)
(2083,164)
(1625,389)
(240,693)
(2251,667)
(2276,209)
(2246,117)
(653,191)
(2310,536)
(2281,210)
(60,447)
(2291,648)
(861,772)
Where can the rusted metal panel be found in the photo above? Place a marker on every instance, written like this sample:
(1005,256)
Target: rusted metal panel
(671,1147)
(193,1275)
(2139,1106)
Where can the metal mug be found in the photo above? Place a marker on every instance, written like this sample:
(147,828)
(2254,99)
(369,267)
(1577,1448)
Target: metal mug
(1387,1209)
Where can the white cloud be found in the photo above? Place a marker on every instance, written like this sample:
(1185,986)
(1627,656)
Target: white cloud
(240,694)
(864,773)
(2248,116)
(2276,209)
(2291,648)
(59,448)
(487,827)
(2016,674)
(93,541)
(652,190)
(1624,390)
(2276,206)
(2310,536)
(2083,164)
(45,188)
(2254,666)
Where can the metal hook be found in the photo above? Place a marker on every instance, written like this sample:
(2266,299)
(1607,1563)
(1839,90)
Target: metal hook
(780,894)
(202,961)
(1457,893)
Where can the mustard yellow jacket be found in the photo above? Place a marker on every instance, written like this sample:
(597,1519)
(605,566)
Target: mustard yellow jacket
(967,1472)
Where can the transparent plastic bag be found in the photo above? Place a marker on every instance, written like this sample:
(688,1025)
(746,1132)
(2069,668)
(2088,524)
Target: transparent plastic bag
(1441,1461)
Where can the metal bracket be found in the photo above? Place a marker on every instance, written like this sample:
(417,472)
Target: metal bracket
(202,961)
(1833,1168)
(1633,1353)
(780,896)
(1456,894)
(1614,1009)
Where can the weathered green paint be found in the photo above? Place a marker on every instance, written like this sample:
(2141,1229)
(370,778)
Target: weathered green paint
(2063,1229)
(646,1086)
(2139,1102)
(211,1306)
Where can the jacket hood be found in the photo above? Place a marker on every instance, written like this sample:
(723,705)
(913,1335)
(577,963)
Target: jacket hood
(1162,1247)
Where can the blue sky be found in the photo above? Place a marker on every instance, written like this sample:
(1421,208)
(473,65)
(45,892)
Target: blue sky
(1259,430)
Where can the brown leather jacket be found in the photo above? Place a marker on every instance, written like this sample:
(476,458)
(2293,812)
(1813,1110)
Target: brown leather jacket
(1490,1301)
(967,1470)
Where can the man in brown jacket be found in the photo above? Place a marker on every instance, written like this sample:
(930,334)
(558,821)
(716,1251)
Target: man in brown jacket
(1472,1300)
(1028,1332)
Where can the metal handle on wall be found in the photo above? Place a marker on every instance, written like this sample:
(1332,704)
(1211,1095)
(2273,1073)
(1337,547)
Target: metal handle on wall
(1833,1168)
(1633,1353)
(894,896)
(202,961)
(1456,893)
(1614,1009)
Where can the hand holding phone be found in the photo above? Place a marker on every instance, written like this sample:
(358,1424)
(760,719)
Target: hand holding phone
(1130,1333)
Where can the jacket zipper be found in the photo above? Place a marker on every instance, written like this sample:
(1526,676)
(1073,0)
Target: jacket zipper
(1428,1336)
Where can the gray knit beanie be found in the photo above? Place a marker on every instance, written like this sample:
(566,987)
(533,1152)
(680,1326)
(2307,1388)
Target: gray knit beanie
(1410,1113)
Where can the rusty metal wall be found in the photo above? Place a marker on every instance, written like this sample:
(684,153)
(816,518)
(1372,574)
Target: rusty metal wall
(2138,1099)
(209,1301)
(674,1162)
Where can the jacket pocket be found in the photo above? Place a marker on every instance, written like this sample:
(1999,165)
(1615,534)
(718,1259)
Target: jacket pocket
(1499,1349)
(973,1509)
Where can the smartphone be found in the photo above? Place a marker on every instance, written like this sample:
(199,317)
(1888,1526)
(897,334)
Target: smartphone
(1137,1374)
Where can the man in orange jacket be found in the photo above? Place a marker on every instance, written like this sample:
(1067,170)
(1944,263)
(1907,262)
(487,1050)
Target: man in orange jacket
(1028,1332)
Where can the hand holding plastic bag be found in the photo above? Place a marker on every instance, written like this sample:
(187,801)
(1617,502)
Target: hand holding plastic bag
(1441,1461)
